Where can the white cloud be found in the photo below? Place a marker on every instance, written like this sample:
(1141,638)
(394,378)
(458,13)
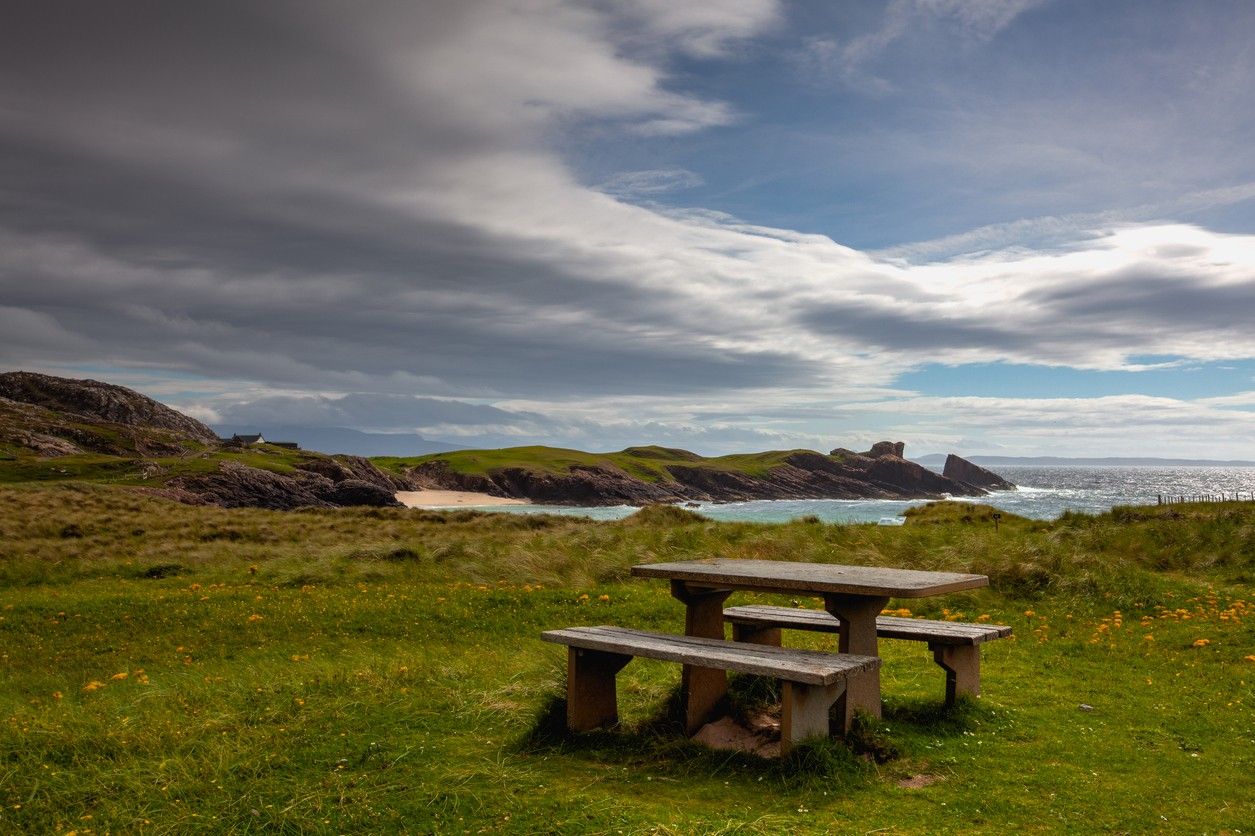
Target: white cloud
(400,223)
(849,59)
(630,184)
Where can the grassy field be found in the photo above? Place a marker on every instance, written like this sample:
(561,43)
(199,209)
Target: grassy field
(178,669)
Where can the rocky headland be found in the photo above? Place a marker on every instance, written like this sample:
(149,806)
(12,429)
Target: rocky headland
(681,476)
(59,428)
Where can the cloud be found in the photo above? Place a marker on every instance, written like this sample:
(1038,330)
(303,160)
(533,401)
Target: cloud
(1103,426)
(631,184)
(368,218)
(367,411)
(848,60)
(1062,231)
(703,30)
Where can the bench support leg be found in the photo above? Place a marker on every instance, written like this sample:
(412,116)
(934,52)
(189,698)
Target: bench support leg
(805,711)
(962,667)
(591,701)
(753,634)
(701,688)
(857,614)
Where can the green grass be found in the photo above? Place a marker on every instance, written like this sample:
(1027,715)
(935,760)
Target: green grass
(646,463)
(21,466)
(378,670)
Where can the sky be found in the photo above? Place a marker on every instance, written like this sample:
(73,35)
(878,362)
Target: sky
(1016,227)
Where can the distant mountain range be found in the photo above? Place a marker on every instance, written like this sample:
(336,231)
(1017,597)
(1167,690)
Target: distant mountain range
(342,440)
(936,460)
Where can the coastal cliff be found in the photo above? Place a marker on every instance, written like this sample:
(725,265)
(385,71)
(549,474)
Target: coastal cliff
(642,475)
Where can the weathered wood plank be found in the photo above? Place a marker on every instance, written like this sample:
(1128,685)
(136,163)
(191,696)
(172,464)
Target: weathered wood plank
(808,667)
(814,578)
(888,627)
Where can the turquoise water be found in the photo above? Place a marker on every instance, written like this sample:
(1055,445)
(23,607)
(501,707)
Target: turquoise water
(1044,493)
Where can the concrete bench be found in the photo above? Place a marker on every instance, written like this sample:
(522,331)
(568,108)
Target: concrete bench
(955,645)
(812,681)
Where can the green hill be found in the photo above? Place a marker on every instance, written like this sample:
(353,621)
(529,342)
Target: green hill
(649,464)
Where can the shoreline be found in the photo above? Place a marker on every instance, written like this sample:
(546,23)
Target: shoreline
(453,499)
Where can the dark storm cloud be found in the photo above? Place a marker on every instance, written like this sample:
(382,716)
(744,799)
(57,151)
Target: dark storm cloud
(888,328)
(200,185)
(1154,296)
(334,198)
(398,412)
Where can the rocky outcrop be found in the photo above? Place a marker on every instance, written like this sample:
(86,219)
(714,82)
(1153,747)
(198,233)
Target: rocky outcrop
(354,468)
(886,448)
(235,485)
(961,470)
(49,417)
(802,474)
(100,402)
(48,434)
(356,492)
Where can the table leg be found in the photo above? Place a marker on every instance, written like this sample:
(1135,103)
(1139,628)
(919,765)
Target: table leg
(857,614)
(701,689)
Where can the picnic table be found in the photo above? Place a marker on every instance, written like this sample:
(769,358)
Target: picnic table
(855,595)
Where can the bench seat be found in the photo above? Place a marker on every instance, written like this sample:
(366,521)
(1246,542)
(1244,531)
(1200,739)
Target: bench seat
(955,645)
(812,680)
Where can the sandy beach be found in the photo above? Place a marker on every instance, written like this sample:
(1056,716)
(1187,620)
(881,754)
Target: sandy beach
(450,499)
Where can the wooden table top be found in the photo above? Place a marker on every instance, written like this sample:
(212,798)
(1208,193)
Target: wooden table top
(814,578)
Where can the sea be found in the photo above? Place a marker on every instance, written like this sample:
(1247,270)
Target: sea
(1042,493)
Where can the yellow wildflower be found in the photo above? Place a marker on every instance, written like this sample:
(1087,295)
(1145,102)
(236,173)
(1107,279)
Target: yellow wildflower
(603,597)
(1029,613)
(255,617)
(983,617)
(94,685)
(1251,658)
(1202,642)
(121,675)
